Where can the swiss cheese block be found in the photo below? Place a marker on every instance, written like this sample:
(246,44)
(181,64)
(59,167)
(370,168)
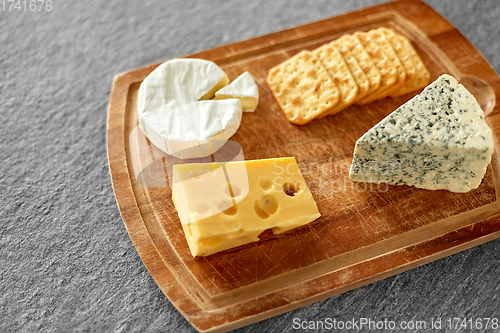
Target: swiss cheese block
(437,140)
(225,205)
(175,112)
(243,88)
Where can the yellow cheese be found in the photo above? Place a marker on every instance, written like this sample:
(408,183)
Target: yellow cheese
(222,83)
(247,103)
(225,205)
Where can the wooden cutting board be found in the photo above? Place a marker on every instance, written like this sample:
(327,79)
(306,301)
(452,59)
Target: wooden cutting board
(364,234)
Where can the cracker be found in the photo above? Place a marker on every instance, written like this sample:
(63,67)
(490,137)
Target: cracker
(355,69)
(364,60)
(384,65)
(378,36)
(422,75)
(303,88)
(403,57)
(331,58)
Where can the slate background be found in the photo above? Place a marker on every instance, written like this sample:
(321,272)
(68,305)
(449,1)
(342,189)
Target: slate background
(67,263)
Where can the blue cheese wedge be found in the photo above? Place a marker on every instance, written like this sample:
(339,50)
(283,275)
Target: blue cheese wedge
(437,140)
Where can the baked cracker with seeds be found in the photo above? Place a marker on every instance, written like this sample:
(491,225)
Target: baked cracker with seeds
(303,88)
(422,75)
(384,65)
(331,58)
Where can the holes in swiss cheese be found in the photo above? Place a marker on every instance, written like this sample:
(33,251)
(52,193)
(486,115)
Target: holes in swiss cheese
(266,234)
(236,234)
(265,184)
(227,207)
(231,210)
(260,212)
(232,190)
(266,206)
(211,242)
(290,189)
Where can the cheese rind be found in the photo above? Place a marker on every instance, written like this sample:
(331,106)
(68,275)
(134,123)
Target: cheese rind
(175,111)
(225,205)
(437,140)
(177,82)
(243,88)
(186,130)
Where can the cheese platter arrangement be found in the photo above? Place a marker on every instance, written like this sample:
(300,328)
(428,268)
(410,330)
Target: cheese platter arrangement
(261,176)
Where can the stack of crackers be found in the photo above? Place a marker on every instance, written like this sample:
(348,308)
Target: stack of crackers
(354,69)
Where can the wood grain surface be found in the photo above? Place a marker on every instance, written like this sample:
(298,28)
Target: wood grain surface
(366,232)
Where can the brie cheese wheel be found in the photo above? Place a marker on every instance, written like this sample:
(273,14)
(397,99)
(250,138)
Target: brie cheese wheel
(244,88)
(186,130)
(176,113)
(177,82)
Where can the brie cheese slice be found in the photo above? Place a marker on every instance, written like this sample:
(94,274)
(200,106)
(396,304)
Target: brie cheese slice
(186,130)
(243,88)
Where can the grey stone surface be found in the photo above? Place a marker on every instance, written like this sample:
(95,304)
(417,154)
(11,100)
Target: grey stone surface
(67,263)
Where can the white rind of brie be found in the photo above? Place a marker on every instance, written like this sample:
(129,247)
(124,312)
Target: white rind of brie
(177,82)
(185,131)
(176,113)
(244,88)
